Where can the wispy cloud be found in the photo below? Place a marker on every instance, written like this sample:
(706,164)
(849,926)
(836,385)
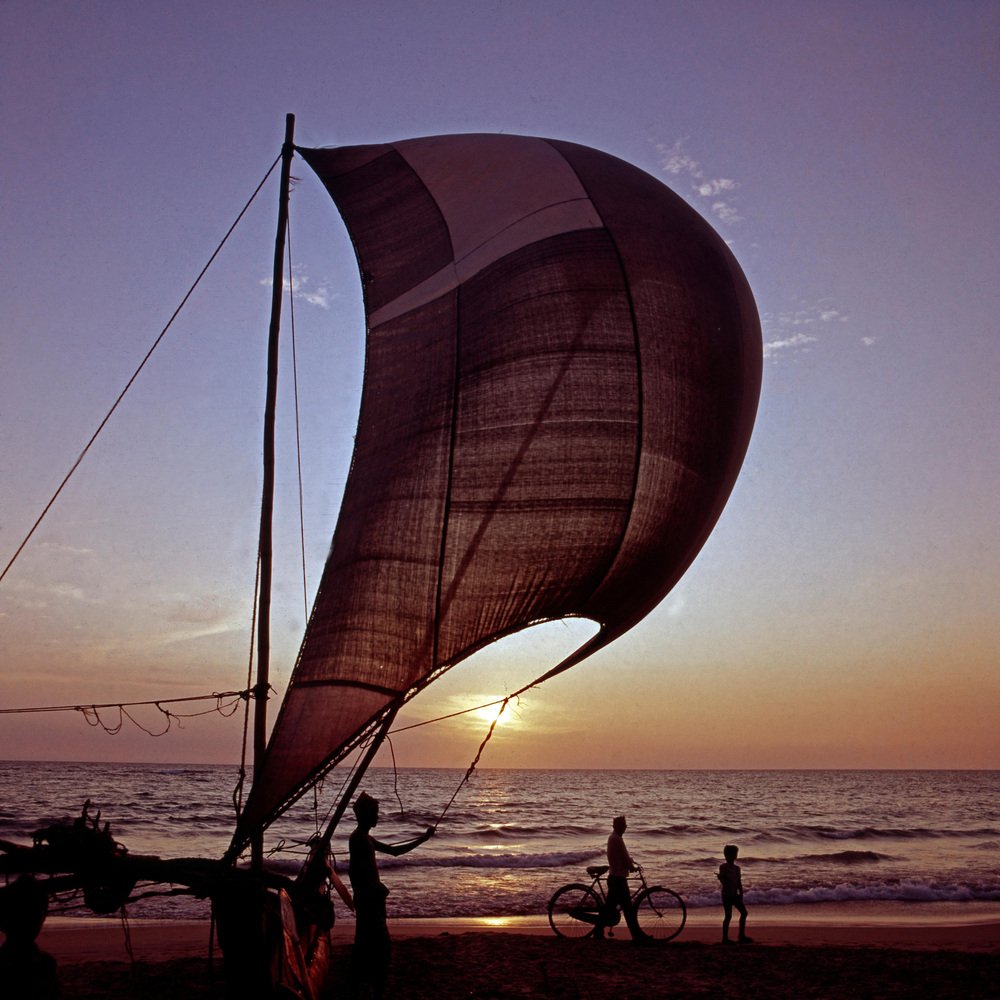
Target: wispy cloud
(55,580)
(38,595)
(199,611)
(302,288)
(796,340)
(793,331)
(192,634)
(715,193)
(788,333)
(70,550)
(188,618)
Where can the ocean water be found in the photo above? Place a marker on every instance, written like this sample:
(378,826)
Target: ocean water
(512,837)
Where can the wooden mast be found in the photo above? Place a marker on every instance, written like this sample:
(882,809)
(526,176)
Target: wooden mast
(267,494)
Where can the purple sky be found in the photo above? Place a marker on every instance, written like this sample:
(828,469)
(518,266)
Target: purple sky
(844,612)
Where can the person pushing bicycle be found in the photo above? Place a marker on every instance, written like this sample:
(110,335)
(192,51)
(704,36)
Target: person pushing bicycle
(620,864)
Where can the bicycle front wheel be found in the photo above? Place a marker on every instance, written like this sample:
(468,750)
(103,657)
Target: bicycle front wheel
(574,911)
(661,913)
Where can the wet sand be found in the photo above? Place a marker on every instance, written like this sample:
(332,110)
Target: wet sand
(826,952)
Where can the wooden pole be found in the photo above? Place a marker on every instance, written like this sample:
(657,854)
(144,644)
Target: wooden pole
(267,498)
(377,740)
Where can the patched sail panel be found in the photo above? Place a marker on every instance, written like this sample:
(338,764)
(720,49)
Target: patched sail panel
(563,365)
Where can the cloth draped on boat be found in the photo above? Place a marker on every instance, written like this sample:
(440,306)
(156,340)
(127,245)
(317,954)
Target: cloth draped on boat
(562,372)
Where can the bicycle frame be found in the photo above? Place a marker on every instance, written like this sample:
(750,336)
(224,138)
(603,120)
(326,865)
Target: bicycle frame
(599,885)
(580,910)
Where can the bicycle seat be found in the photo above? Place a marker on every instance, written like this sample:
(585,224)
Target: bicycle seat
(595,871)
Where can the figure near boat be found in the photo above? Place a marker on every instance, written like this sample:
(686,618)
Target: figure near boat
(372,943)
(26,972)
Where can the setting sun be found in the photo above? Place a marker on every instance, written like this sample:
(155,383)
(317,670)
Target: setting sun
(496,711)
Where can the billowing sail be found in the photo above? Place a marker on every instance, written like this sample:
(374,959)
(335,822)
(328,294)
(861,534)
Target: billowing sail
(562,372)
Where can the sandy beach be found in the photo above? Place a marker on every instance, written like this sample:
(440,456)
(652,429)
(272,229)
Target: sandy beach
(828,952)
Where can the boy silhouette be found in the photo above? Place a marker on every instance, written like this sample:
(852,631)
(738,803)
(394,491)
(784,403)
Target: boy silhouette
(732,894)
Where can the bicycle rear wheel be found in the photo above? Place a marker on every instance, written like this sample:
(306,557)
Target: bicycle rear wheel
(661,913)
(574,910)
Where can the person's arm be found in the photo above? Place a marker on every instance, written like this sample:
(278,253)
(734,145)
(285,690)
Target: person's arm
(397,849)
(342,890)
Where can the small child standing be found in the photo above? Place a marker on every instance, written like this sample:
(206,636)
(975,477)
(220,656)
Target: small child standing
(732,894)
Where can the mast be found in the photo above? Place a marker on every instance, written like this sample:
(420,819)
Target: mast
(378,738)
(267,492)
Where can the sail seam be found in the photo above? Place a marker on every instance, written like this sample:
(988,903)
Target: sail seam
(446,513)
(520,221)
(361,685)
(638,372)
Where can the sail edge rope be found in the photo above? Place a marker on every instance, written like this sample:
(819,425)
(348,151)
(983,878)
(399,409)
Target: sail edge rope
(226,705)
(135,374)
(154,702)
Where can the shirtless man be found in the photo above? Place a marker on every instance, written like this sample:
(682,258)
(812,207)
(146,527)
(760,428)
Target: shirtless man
(372,944)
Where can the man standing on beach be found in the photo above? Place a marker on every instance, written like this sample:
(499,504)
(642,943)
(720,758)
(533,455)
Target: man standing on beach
(372,944)
(620,864)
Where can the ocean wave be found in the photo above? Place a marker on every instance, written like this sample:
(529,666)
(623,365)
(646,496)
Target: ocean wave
(885,833)
(512,837)
(835,858)
(724,830)
(209,821)
(553,859)
(812,832)
(799,832)
(521,831)
(913,891)
(846,857)
(767,837)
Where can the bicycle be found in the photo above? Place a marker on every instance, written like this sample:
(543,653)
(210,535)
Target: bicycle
(575,910)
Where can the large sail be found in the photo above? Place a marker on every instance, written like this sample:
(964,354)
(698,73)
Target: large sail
(562,372)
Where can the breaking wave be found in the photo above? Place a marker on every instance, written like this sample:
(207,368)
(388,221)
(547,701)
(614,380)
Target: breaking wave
(848,858)
(554,859)
(847,892)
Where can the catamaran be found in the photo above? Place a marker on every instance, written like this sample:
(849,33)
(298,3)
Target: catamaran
(563,364)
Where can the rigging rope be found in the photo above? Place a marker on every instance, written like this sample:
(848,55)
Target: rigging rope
(298,431)
(226,704)
(216,696)
(127,934)
(135,374)
(475,761)
(241,777)
(455,715)
(395,776)
(482,746)
(503,703)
